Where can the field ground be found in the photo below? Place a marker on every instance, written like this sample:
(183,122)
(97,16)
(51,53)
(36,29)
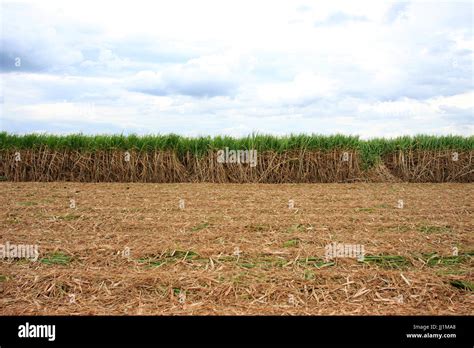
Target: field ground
(237,249)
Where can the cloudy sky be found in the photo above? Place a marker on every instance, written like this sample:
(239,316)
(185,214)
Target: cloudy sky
(375,68)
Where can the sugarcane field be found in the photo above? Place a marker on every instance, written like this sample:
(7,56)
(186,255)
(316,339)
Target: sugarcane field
(312,230)
(244,173)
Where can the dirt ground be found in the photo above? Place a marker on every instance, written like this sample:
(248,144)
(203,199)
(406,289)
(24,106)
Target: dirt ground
(237,249)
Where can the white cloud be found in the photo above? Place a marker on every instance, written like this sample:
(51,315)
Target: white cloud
(304,88)
(373,68)
(206,76)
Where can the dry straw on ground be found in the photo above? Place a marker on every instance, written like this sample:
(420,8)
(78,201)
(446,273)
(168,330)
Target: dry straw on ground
(237,249)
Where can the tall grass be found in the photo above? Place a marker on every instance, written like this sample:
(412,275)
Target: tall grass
(370,150)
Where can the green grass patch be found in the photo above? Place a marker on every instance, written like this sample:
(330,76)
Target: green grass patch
(56,258)
(271,261)
(292,243)
(368,210)
(200,227)
(447,264)
(27,204)
(387,261)
(316,262)
(435,229)
(433,259)
(462,284)
(247,265)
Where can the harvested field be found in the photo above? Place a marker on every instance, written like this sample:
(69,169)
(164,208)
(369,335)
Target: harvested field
(237,249)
